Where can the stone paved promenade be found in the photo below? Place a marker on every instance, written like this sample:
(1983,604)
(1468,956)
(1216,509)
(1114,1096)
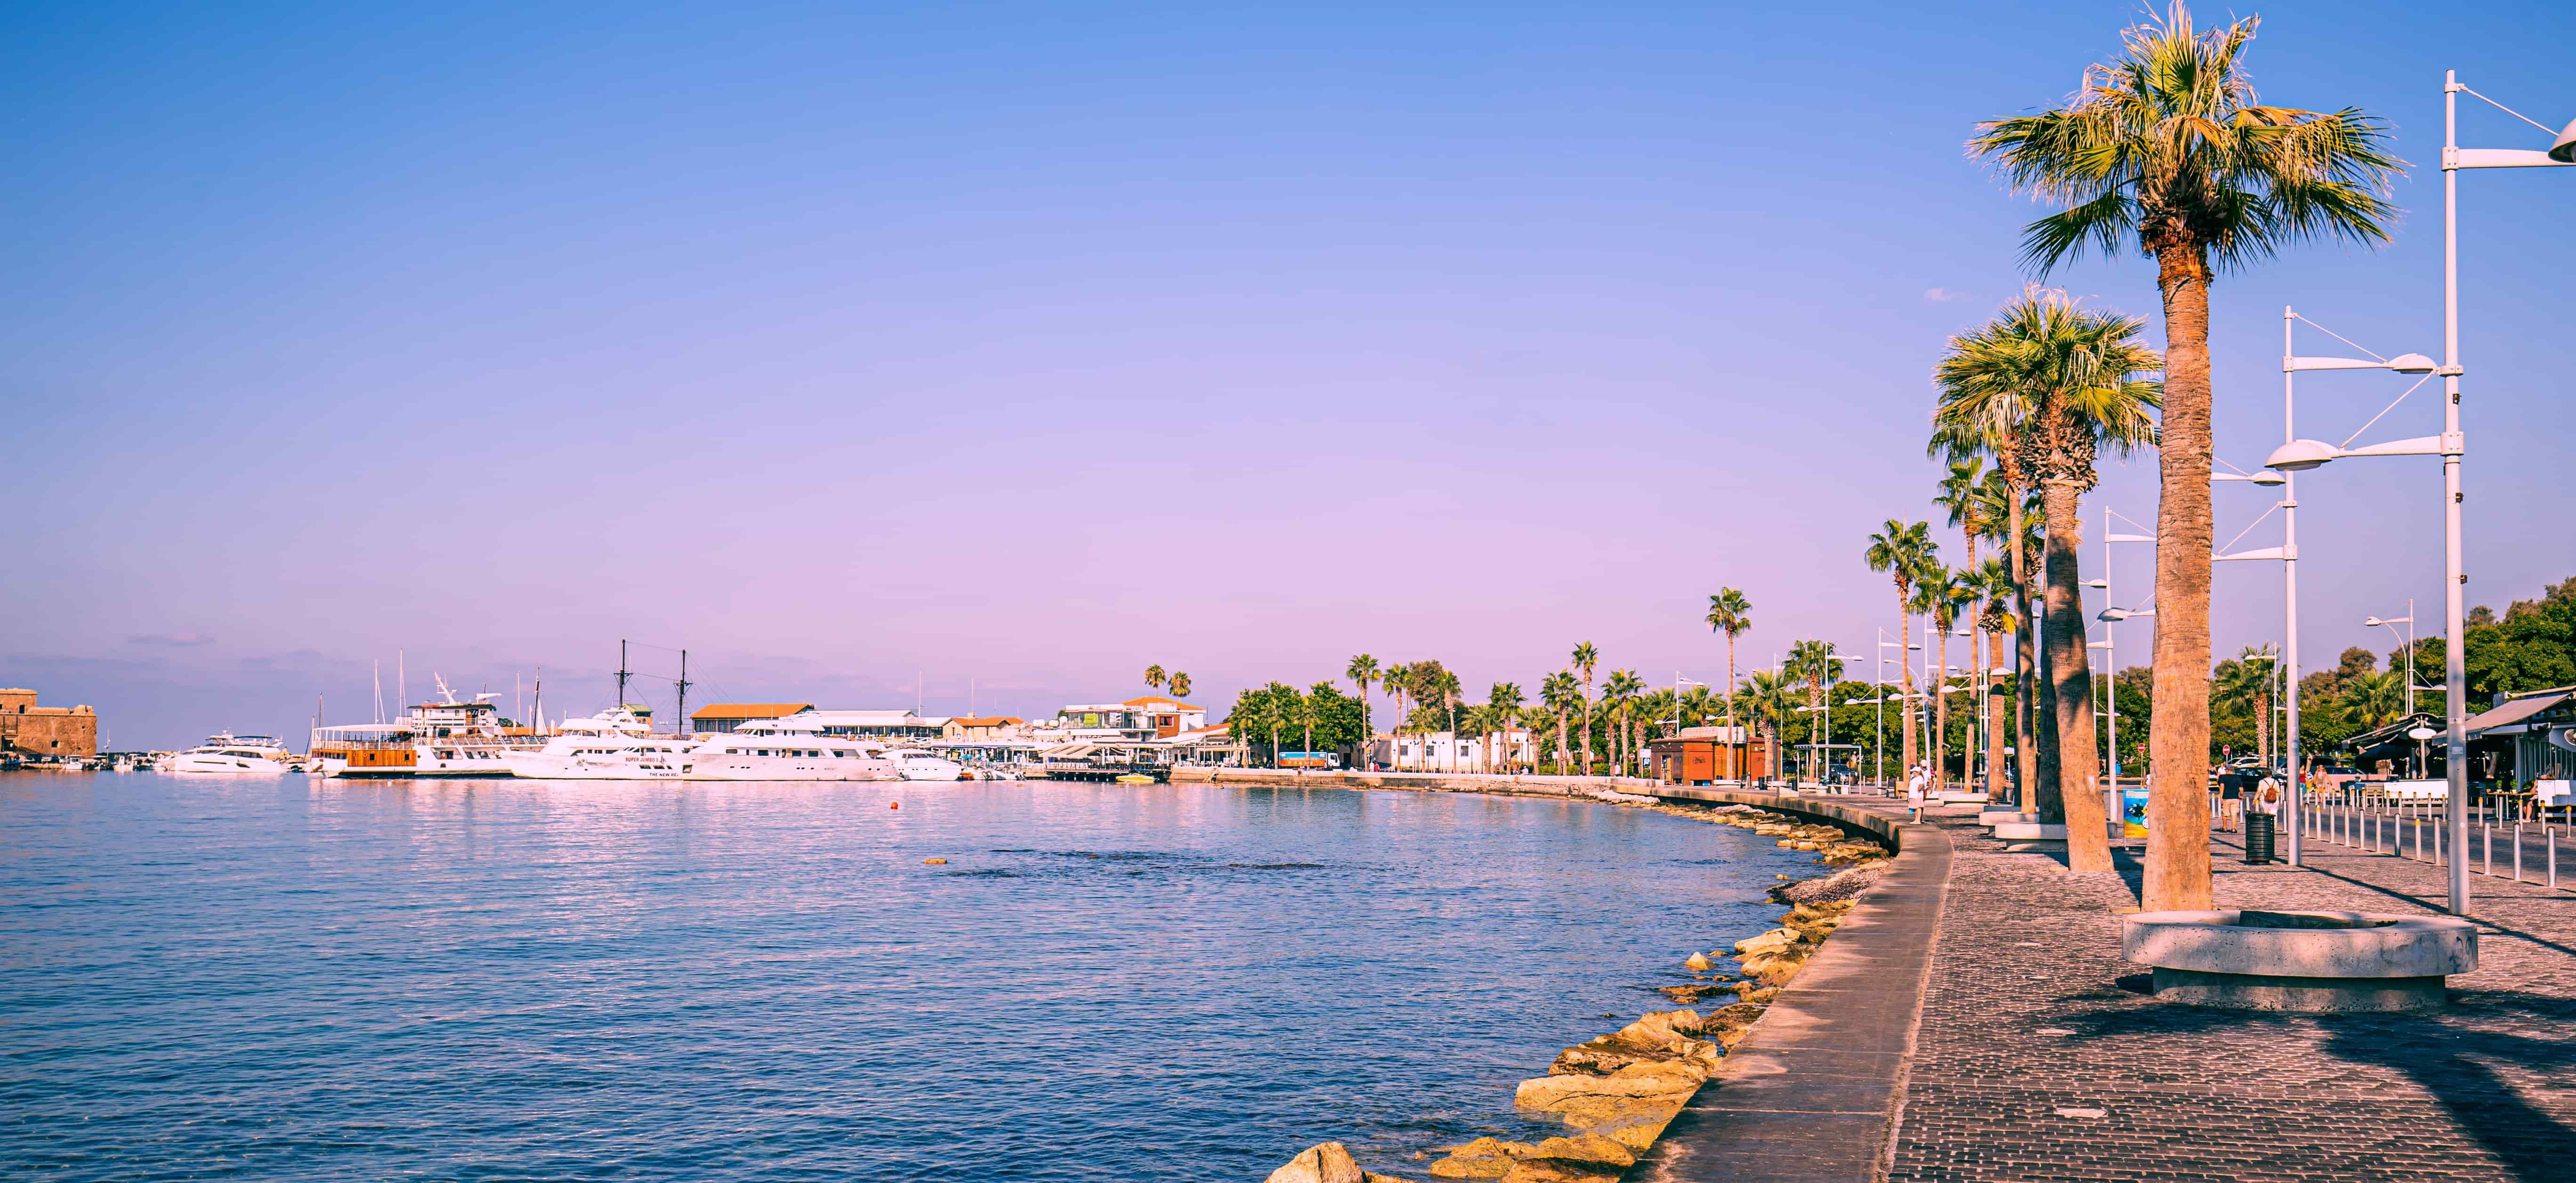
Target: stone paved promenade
(2038,1058)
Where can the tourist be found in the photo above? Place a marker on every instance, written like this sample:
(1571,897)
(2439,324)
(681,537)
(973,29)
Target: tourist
(1915,780)
(2231,799)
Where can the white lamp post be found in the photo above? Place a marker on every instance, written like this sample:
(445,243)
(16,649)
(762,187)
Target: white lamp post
(2298,455)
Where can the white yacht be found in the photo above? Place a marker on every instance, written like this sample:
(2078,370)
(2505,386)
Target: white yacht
(615,744)
(915,764)
(783,749)
(441,739)
(234,755)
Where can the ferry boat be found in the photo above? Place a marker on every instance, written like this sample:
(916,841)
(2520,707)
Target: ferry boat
(781,749)
(615,744)
(433,739)
(234,755)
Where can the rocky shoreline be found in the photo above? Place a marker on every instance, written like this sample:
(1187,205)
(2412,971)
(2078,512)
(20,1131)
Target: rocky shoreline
(1617,1092)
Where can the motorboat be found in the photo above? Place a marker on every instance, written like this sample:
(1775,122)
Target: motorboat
(615,744)
(227,754)
(915,764)
(782,749)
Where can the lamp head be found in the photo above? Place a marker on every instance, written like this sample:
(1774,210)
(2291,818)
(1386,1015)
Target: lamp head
(2268,478)
(2411,363)
(2301,455)
(2564,151)
(2112,614)
(2372,622)
(2097,583)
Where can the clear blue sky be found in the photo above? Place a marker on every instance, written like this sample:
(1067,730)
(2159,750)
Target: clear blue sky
(1031,344)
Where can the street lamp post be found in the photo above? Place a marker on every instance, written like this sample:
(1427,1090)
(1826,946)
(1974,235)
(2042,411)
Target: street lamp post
(2300,454)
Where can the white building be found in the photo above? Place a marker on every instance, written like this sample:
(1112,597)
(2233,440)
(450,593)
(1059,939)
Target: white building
(1440,751)
(1150,717)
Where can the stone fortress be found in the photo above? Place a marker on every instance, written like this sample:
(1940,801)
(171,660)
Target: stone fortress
(46,731)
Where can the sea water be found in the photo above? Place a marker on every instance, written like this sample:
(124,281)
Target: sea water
(282,978)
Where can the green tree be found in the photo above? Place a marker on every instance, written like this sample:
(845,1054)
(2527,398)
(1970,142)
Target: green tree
(1154,677)
(1903,551)
(2166,146)
(1585,658)
(1618,694)
(1363,672)
(1815,664)
(2061,382)
(1766,698)
(1560,693)
(1730,613)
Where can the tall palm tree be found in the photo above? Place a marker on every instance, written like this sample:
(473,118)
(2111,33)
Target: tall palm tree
(1815,664)
(1503,704)
(2167,146)
(1992,427)
(1620,693)
(1730,613)
(1557,690)
(2247,682)
(1154,677)
(1948,594)
(1585,658)
(1363,671)
(1180,686)
(1903,551)
(1964,498)
(2064,381)
(2372,699)
(1444,689)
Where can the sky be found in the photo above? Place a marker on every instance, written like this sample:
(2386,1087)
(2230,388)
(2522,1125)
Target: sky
(881,355)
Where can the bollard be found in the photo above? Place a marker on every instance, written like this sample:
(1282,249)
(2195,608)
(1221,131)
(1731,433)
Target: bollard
(2486,834)
(2517,852)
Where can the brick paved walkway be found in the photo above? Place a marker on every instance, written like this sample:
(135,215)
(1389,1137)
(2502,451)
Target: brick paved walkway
(2039,1058)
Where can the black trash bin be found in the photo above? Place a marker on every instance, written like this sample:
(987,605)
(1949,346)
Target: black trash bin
(2259,830)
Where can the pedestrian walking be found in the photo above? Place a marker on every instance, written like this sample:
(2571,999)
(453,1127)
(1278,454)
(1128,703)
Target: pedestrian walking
(1915,781)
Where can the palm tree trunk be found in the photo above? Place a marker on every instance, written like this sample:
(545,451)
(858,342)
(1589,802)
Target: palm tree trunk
(2088,842)
(2025,663)
(2177,870)
(1998,703)
(1905,674)
(1941,713)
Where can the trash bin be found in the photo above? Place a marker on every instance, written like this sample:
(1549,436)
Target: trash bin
(2258,836)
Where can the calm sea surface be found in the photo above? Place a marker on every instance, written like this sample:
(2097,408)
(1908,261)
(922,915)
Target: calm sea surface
(292,979)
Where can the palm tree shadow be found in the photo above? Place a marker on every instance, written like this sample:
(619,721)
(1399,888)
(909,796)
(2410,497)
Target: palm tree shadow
(2454,1063)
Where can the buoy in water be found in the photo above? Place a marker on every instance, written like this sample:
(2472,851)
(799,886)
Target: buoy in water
(934,862)
(899,805)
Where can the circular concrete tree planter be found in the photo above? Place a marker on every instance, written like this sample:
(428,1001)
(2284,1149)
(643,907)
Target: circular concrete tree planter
(2301,961)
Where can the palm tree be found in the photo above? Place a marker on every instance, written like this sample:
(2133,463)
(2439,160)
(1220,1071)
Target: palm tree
(1766,703)
(1444,687)
(2167,146)
(1503,703)
(1180,684)
(2247,682)
(1621,692)
(2061,381)
(1992,427)
(2372,699)
(1398,678)
(1947,594)
(1557,690)
(1153,677)
(1586,657)
(1814,663)
(1730,613)
(1362,672)
(1964,498)
(1903,551)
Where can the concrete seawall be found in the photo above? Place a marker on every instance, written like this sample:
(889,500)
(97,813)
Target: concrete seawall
(1848,812)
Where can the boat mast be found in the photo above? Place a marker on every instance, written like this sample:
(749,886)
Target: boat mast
(622,674)
(681,712)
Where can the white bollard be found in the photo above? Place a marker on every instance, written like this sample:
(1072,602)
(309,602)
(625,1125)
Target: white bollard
(2517,852)
(2486,834)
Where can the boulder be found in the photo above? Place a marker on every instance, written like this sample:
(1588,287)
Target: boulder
(1669,1078)
(1587,1148)
(1633,1122)
(1324,1162)
(1656,1038)
(1695,991)
(1548,1171)
(1484,1158)
(1699,963)
(1776,939)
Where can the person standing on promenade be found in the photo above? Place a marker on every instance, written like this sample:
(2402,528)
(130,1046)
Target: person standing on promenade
(1914,784)
(2231,799)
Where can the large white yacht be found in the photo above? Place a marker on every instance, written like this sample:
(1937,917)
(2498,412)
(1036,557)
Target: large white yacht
(615,744)
(227,754)
(783,749)
(441,739)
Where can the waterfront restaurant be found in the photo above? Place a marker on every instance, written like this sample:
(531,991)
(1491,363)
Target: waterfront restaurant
(1705,755)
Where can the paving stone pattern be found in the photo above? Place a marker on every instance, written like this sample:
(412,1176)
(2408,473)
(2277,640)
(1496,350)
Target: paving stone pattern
(2039,1056)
